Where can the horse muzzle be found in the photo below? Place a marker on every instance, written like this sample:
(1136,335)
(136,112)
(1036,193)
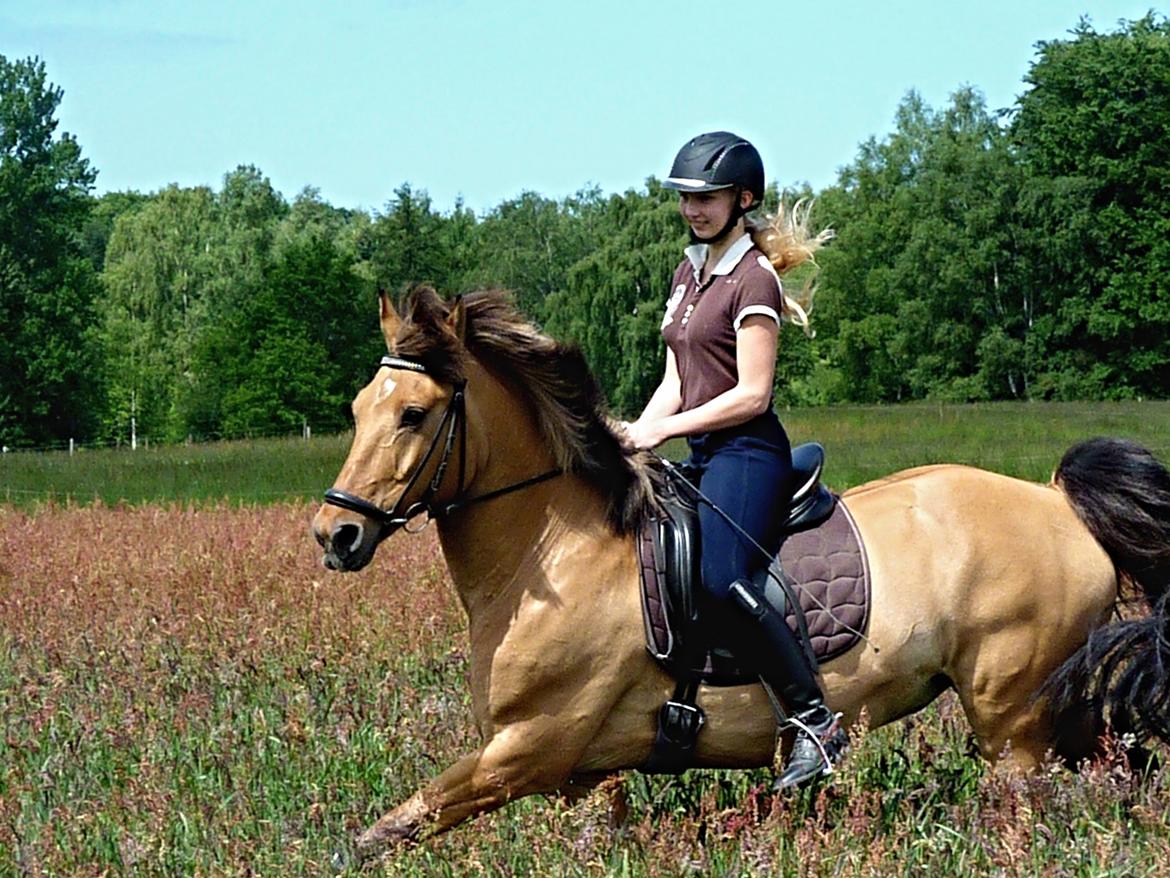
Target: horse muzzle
(348,544)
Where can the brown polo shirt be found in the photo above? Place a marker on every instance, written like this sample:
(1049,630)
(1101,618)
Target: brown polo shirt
(702,319)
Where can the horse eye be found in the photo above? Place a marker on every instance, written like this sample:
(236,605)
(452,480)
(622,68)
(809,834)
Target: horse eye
(413,416)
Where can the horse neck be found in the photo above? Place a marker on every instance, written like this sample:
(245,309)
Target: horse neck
(499,549)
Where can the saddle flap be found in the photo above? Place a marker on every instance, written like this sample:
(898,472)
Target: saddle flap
(680,553)
(669,555)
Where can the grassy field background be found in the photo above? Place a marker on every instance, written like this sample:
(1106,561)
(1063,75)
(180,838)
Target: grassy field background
(861,442)
(185,691)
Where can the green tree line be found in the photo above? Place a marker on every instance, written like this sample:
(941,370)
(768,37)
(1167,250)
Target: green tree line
(980,255)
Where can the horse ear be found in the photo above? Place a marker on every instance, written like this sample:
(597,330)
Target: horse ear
(389,317)
(456,321)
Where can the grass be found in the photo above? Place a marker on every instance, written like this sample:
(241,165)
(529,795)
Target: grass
(244,471)
(861,443)
(184,691)
(1019,439)
(1024,439)
(187,693)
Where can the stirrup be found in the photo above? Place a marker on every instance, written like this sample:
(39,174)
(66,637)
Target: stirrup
(830,741)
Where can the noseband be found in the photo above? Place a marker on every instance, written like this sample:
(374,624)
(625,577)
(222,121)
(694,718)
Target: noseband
(455,418)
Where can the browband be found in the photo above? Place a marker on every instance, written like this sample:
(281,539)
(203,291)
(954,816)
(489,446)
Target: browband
(402,363)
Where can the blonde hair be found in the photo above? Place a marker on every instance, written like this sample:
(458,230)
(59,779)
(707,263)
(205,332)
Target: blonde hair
(785,238)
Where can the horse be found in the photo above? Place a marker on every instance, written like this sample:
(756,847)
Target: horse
(984,584)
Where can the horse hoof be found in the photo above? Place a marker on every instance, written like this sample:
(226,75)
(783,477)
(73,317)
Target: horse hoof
(340,861)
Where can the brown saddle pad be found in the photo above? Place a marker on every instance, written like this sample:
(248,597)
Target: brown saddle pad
(831,572)
(826,564)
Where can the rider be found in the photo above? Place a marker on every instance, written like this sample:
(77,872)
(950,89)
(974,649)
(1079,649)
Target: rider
(721,328)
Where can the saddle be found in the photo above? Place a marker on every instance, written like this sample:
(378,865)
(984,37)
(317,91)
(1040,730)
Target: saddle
(819,580)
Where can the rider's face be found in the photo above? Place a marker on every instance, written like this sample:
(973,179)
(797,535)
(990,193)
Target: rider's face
(706,212)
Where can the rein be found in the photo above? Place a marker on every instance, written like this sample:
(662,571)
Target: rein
(455,417)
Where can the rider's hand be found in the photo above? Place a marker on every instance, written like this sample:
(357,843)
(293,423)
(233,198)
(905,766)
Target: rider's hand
(645,434)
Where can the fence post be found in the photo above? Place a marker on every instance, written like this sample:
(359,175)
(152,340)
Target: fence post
(70,446)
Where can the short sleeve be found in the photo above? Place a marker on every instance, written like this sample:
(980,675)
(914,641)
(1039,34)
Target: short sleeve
(758,293)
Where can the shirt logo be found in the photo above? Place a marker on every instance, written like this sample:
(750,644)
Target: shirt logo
(672,305)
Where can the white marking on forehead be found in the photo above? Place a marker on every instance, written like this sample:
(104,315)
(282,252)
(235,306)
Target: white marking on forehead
(387,388)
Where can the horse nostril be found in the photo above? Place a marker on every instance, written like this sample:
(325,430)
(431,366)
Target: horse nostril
(347,538)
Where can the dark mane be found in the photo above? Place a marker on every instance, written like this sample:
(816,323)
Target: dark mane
(556,378)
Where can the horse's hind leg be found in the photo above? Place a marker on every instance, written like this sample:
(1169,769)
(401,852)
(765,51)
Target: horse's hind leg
(1022,738)
(998,696)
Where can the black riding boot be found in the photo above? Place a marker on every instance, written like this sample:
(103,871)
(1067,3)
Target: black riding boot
(770,647)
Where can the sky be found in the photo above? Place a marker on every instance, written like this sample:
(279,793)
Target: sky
(479,101)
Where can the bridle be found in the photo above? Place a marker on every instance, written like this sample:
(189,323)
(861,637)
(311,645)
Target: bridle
(455,420)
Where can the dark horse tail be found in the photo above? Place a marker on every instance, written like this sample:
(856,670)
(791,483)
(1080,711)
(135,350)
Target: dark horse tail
(1122,674)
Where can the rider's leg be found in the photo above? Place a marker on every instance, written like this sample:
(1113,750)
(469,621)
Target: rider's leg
(750,481)
(770,646)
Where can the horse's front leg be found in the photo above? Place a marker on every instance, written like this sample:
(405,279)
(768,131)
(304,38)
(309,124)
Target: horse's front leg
(509,766)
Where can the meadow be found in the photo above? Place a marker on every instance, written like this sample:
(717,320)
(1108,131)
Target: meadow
(861,443)
(185,691)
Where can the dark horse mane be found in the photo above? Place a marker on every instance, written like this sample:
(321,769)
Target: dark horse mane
(556,378)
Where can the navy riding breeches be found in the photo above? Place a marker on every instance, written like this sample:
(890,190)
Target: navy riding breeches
(746,472)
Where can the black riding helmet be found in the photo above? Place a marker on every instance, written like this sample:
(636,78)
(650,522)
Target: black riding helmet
(718,160)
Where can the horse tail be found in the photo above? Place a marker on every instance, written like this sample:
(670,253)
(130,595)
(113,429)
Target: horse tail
(1122,674)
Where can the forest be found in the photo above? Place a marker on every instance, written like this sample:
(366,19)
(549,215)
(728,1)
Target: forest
(1021,254)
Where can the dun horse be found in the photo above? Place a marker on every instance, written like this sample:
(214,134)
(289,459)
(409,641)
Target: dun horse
(989,585)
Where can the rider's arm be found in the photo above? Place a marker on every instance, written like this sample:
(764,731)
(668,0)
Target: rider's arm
(755,361)
(668,397)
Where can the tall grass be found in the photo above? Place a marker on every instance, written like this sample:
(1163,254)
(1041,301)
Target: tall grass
(186,692)
(861,442)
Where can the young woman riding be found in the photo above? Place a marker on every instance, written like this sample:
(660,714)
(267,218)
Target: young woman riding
(721,329)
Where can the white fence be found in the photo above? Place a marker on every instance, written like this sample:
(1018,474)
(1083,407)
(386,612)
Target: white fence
(136,442)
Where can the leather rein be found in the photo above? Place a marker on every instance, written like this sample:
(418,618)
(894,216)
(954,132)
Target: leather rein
(455,419)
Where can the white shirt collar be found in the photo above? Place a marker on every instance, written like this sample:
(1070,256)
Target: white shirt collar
(697,254)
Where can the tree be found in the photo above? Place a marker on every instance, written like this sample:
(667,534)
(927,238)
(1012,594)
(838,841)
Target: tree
(529,243)
(161,262)
(300,344)
(178,268)
(613,298)
(49,388)
(923,267)
(1093,131)
(99,224)
(407,245)
(313,339)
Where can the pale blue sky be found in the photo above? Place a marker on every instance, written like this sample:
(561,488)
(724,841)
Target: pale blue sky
(482,100)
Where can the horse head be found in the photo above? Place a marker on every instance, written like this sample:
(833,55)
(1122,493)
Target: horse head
(409,423)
